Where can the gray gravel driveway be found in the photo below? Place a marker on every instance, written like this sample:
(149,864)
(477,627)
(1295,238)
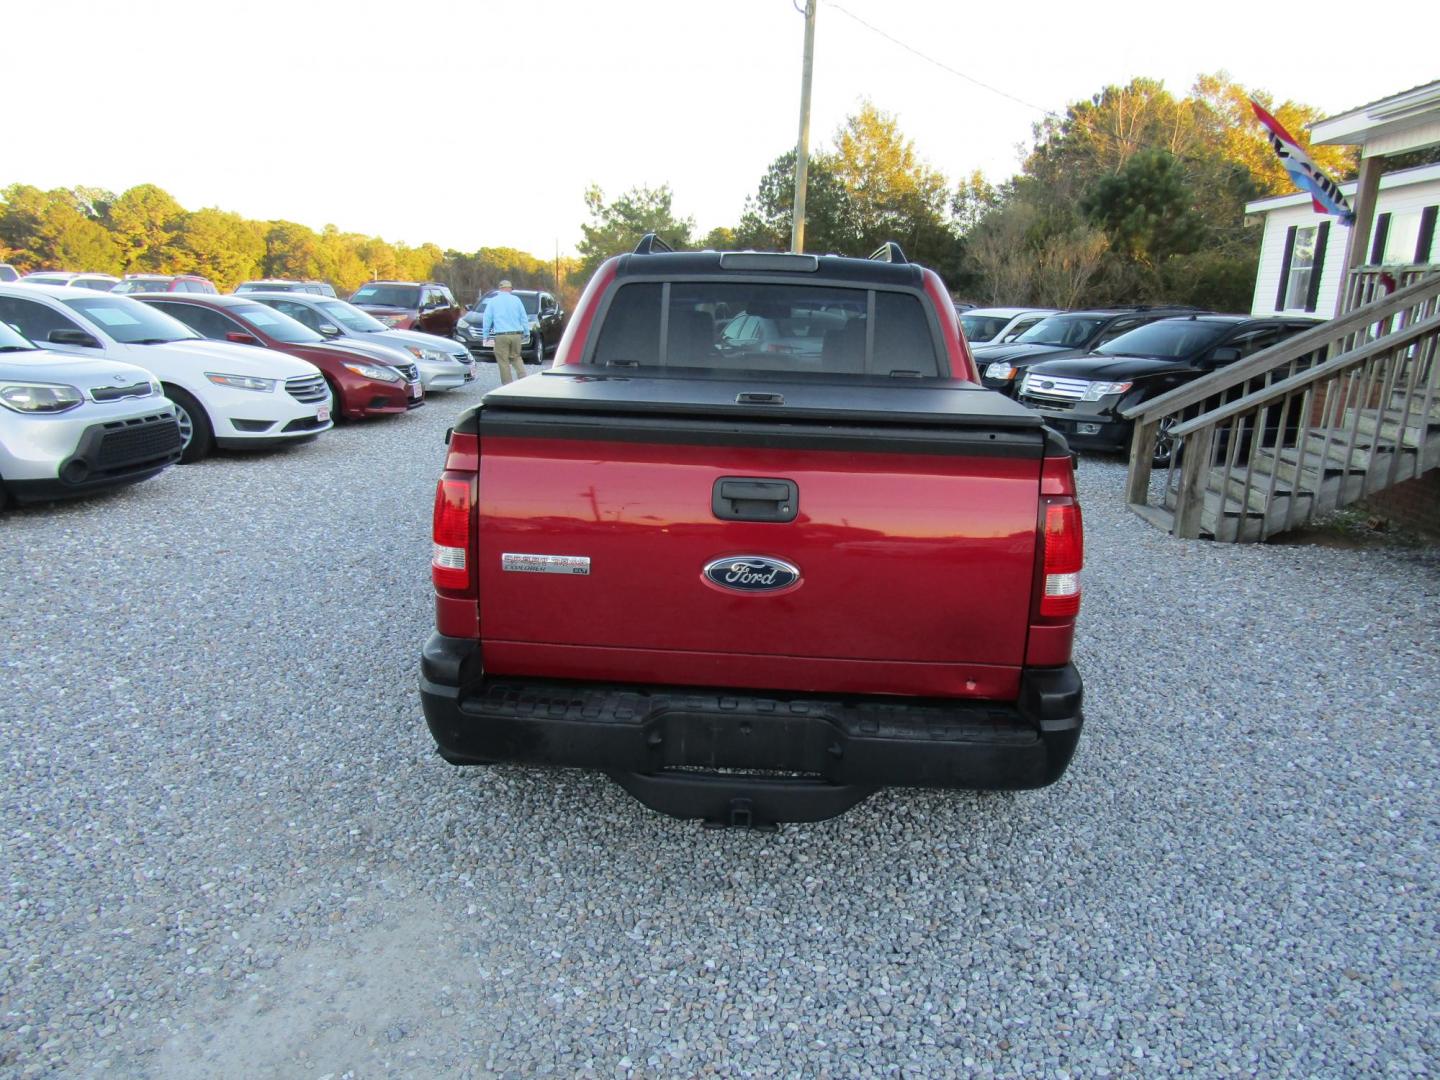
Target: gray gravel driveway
(228,849)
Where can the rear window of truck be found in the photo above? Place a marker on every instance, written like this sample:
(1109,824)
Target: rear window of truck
(764,326)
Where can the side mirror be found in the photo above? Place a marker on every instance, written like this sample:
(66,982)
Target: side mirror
(1224,356)
(329,329)
(242,338)
(73,337)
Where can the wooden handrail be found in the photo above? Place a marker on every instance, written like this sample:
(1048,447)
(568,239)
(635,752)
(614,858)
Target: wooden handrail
(1306,341)
(1399,339)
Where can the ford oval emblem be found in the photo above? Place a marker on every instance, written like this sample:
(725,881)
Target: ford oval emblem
(751,574)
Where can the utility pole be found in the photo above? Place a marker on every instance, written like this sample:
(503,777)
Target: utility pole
(802,147)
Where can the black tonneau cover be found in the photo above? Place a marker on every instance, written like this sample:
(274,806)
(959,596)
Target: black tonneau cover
(777,410)
(768,395)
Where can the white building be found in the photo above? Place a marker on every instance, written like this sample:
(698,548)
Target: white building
(1309,262)
(1302,254)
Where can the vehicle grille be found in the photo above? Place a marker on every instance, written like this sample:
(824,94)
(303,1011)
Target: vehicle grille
(129,441)
(408,372)
(117,393)
(310,389)
(306,423)
(1048,404)
(1051,386)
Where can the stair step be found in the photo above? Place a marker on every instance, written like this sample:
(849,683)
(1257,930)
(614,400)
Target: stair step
(1408,431)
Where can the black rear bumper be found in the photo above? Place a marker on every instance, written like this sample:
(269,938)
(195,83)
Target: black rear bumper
(749,758)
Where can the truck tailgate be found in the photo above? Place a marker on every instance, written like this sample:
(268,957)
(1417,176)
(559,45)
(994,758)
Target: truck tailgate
(911,536)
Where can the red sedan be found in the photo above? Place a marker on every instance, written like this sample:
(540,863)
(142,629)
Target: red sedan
(365,380)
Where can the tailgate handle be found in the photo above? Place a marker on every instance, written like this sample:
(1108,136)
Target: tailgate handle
(749,397)
(749,498)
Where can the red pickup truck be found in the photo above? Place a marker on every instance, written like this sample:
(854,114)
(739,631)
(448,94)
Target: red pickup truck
(756,545)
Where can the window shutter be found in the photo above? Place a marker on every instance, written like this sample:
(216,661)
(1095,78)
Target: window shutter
(1427,234)
(1317,268)
(1377,247)
(1285,266)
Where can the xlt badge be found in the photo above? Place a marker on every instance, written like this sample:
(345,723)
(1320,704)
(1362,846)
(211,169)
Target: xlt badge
(751,573)
(544,564)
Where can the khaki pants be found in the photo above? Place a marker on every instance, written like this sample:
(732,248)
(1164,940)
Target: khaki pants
(507,357)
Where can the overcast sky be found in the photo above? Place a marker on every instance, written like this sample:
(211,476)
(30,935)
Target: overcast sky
(470,123)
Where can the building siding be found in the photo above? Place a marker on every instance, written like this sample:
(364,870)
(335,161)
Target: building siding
(1394,198)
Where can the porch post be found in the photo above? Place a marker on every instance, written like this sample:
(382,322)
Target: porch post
(1357,247)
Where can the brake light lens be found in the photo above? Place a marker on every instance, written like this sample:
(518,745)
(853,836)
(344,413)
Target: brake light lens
(1064,556)
(450,564)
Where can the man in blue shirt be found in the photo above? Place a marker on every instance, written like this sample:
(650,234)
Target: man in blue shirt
(508,323)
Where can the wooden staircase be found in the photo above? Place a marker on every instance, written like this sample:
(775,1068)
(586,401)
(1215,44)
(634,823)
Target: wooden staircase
(1318,422)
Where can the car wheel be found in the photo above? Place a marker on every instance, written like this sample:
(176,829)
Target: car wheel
(539,350)
(1164,442)
(196,435)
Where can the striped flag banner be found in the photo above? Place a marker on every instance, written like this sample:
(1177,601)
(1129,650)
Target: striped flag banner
(1308,176)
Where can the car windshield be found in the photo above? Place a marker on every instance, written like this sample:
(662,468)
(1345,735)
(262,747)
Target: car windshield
(350,317)
(401,296)
(11,340)
(279,326)
(1068,330)
(46,279)
(982,327)
(131,322)
(130,285)
(529,299)
(756,326)
(99,284)
(265,286)
(1167,340)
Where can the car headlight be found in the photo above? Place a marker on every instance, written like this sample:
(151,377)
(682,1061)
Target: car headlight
(389,320)
(242,382)
(155,387)
(374,371)
(1096,390)
(40,397)
(433,356)
(1001,369)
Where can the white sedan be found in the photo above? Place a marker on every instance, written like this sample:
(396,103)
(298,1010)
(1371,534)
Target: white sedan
(226,395)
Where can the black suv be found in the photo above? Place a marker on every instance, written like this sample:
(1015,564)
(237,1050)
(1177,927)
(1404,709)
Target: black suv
(410,305)
(1083,397)
(547,323)
(1070,333)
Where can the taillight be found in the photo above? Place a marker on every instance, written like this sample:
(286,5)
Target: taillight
(1064,541)
(450,565)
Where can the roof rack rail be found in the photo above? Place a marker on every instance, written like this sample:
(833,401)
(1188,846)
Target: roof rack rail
(889,252)
(650,243)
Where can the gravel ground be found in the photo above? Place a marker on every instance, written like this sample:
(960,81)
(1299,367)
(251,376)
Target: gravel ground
(229,850)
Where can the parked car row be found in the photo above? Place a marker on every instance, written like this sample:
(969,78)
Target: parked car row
(1082,370)
(147,379)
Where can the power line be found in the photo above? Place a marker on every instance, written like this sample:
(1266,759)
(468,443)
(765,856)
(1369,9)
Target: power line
(939,63)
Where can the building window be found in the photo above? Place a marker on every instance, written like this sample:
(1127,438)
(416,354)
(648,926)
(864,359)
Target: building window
(1302,265)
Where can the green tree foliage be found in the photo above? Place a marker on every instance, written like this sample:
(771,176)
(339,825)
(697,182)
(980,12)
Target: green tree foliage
(1146,208)
(617,226)
(53,230)
(219,245)
(145,229)
(144,222)
(1165,179)
(470,275)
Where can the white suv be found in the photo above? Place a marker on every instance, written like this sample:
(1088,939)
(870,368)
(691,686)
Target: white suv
(226,395)
(69,426)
